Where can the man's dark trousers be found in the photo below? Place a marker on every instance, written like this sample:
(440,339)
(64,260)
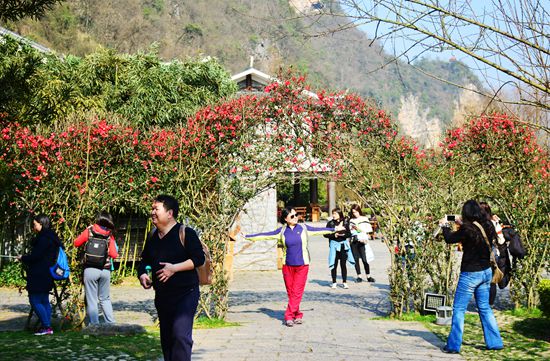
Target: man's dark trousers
(176,314)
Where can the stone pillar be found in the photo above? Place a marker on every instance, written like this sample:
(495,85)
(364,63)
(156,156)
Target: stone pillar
(259,215)
(331,185)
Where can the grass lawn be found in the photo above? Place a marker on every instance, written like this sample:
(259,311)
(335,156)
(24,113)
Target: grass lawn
(526,335)
(74,345)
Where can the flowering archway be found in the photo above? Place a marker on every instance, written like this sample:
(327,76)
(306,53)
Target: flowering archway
(224,155)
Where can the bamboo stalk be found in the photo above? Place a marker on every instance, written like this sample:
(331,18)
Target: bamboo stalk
(134,260)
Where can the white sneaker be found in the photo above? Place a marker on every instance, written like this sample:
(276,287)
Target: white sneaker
(345,285)
(333,286)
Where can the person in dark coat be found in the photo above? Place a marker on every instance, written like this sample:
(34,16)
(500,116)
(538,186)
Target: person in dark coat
(339,247)
(475,275)
(42,256)
(173,277)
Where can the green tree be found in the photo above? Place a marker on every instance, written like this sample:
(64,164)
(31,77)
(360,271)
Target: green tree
(16,9)
(41,88)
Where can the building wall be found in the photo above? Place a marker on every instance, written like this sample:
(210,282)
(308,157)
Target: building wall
(259,215)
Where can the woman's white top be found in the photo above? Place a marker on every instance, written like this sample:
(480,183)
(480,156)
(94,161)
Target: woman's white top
(363,224)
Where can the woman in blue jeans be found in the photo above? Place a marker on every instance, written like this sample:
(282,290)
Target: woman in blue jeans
(475,276)
(43,252)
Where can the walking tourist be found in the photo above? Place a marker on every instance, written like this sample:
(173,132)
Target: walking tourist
(99,250)
(293,239)
(475,275)
(495,220)
(501,252)
(339,247)
(361,232)
(44,248)
(173,277)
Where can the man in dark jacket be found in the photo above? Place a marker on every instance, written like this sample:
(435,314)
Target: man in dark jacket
(172,257)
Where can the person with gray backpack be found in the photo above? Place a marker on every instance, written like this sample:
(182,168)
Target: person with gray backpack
(99,250)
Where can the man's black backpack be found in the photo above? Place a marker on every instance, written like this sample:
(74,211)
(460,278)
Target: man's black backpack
(96,250)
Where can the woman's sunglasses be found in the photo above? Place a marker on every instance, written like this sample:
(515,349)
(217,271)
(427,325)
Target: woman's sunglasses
(293,216)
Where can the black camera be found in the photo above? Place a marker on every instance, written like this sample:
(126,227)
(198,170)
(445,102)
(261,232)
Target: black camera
(450,218)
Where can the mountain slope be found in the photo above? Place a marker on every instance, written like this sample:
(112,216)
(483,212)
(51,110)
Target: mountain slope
(234,30)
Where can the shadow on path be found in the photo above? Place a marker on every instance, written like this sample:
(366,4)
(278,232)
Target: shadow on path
(275,314)
(19,307)
(135,306)
(425,335)
(351,282)
(16,323)
(379,306)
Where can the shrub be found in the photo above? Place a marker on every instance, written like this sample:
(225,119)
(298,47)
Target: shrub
(11,275)
(544,295)
(41,89)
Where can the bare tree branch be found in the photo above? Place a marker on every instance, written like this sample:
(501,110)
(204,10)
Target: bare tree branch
(508,36)
(520,73)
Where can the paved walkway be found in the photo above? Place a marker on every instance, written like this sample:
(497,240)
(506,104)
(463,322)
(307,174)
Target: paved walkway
(337,323)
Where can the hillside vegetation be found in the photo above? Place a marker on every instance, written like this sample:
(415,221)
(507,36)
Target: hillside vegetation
(41,88)
(234,30)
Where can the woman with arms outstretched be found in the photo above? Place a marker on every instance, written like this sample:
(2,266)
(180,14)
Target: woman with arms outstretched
(293,239)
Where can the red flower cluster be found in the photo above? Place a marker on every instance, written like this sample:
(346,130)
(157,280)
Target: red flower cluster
(497,135)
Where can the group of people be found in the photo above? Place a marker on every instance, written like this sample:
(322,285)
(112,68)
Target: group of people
(477,230)
(43,252)
(172,251)
(350,244)
(347,239)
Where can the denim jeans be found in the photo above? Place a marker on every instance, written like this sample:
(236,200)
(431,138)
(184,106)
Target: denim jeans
(40,303)
(476,283)
(97,284)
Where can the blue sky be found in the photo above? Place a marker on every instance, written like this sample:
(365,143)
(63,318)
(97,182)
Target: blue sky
(489,76)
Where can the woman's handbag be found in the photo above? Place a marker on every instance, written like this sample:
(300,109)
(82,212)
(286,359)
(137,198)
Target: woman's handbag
(369,254)
(497,273)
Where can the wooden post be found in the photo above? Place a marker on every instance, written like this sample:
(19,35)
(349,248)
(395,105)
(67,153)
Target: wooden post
(296,193)
(313,191)
(230,247)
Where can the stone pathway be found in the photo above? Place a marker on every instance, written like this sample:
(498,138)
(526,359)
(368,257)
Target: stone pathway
(337,325)
(337,322)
